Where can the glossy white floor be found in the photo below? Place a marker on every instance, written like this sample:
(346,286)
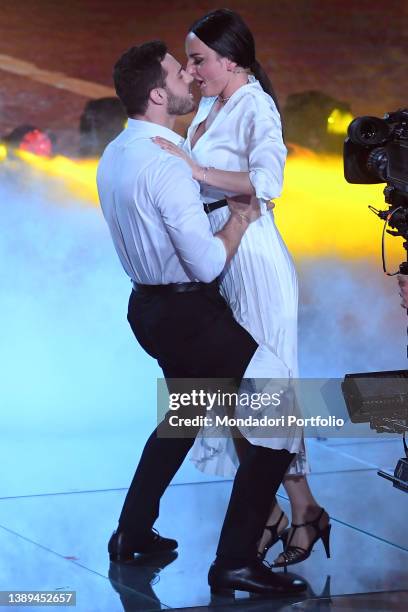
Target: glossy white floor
(53,534)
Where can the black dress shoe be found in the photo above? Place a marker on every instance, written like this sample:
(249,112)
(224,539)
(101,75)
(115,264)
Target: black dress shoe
(142,572)
(253,578)
(122,547)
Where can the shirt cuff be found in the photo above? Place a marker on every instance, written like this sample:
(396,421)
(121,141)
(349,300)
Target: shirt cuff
(262,190)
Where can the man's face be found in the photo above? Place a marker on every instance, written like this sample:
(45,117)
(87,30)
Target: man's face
(180,100)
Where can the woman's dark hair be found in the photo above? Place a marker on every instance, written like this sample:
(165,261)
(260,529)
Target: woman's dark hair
(136,73)
(226,32)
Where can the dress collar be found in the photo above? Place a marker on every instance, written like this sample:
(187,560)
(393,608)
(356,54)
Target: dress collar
(207,103)
(253,83)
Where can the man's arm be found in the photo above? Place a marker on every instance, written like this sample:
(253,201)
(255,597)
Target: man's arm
(177,196)
(244,210)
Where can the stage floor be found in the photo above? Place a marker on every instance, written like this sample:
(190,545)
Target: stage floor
(57,539)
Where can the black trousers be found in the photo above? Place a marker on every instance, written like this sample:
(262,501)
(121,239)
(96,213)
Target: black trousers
(194,335)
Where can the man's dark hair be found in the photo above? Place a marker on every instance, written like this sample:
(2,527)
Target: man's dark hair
(137,72)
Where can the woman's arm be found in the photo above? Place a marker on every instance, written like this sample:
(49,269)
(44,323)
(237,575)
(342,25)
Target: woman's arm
(235,182)
(266,150)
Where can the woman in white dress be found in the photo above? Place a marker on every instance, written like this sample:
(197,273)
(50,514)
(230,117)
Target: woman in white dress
(235,146)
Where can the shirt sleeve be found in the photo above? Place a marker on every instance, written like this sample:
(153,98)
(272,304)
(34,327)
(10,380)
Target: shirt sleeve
(177,196)
(266,151)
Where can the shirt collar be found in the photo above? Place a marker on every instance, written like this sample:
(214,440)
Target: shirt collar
(148,129)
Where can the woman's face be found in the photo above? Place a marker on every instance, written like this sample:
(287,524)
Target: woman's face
(210,71)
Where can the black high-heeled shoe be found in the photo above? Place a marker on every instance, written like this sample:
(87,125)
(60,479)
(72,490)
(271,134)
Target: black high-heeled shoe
(297,554)
(275,536)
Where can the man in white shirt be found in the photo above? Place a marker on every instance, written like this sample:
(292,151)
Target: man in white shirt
(164,242)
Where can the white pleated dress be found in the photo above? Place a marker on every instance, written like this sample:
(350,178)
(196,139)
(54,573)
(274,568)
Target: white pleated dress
(260,283)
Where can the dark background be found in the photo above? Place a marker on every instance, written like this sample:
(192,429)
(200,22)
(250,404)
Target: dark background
(353,51)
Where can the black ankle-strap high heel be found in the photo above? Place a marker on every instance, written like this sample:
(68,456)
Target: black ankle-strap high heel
(296,554)
(275,536)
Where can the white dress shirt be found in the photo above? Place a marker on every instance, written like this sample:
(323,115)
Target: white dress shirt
(154,211)
(245,136)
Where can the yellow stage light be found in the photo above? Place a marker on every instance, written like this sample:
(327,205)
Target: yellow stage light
(319,213)
(3,152)
(338,121)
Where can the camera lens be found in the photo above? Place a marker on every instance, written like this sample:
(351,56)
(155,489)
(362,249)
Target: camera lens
(369,131)
(377,163)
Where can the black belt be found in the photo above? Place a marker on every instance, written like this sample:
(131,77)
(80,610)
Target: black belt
(173,288)
(214,205)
